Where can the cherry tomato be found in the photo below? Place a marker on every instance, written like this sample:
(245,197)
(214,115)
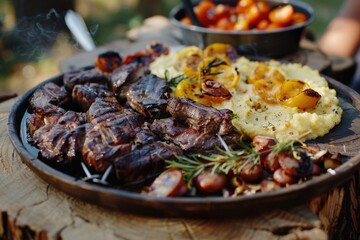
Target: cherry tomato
(299,18)
(208,182)
(263,143)
(169,183)
(224,24)
(292,166)
(271,162)
(220,11)
(243,5)
(282,178)
(186,20)
(256,13)
(201,10)
(242,24)
(282,15)
(251,172)
(108,61)
(263,24)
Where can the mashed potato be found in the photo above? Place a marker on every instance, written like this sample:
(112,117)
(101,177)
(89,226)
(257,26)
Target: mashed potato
(254,117)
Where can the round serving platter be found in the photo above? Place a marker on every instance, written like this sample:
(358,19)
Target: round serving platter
(344,138)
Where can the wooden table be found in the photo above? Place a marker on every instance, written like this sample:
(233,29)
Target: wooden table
(32,209)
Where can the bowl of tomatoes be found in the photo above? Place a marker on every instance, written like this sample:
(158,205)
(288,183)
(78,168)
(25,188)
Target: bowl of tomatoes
(271,28)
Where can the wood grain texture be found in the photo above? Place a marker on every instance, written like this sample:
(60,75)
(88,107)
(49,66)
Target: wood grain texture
(32,209)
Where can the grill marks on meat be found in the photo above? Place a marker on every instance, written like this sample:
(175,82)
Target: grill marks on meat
(189,139)
(84,76)
(58,145)
(149,95)
(134,137)
(50,93)
(85,95)
(202,118)
(144,163)
(104,108)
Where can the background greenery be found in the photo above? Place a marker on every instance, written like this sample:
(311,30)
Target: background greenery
(25,60)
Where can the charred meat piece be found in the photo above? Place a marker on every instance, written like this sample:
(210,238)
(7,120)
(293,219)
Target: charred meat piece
(124,76)
(189,139)
(55,115)
(202,118)
(108,61)
(101,147)
(50,93)
(142,57)
(156,49)
(85,95)
(144,163)
(58,145)
(102,108)
(144,136)
(148,96)
(48,114)
(84,76)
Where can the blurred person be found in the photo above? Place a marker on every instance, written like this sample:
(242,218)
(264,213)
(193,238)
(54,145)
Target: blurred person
(342,36)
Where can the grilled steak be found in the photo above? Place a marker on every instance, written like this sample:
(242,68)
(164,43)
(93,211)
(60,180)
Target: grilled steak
(149,96)
(85,95)
(125,75)
(50,93)
(202,118)
(58,145)
(83,76)
(189,139)
(144,162)
(103,108)
(101,147)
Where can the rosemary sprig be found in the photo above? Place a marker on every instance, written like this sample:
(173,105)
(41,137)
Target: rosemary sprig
(226,159)
(223,162)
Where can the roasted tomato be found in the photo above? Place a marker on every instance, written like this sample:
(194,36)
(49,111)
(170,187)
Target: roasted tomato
(202,12)
(267,89)
(108,61)
(251,172)
(221,50)
(191,89)
(220,11)
(214,91)
(297,167)
(142,57)
(169,183)
(208,182)
(282,178)
(299,18)
(282,15)
(263,71)
(257,12)
(296,93)
(243,5)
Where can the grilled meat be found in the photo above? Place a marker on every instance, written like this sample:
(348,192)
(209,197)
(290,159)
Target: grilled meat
(103,108)
(85,95)
(84,76)
(126,75)
(101,147)
(189,139)
(59,145)
(50,93)
(202,118)
(143,163)
(149,95)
